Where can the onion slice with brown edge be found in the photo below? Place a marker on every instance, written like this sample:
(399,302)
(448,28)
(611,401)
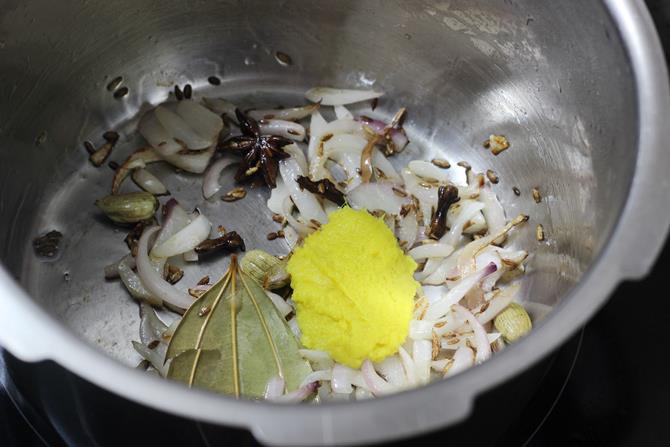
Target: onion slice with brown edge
(366,155)
(194,162)
(138,159)
(153,281)
(440,307)
(463,358)
(328,96)
(282,128)
(466,259)
(289,114)
(482,344)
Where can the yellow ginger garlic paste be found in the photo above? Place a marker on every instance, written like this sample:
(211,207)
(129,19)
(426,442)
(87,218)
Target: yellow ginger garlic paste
(354,288)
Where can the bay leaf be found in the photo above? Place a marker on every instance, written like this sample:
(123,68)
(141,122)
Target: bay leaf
(233,340)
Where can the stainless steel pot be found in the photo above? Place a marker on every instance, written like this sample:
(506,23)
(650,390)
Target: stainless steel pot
(579,88)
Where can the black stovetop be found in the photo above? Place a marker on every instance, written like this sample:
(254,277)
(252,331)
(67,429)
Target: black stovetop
(614,392)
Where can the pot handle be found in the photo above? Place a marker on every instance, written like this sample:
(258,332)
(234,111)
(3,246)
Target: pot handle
(25,330)
(371,421)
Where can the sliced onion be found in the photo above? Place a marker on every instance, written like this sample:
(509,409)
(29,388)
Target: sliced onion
(342,112)
(493,212)
(176,218)
(298,395)
(420,329)
(157,136)
(476,224)
(297,153)
(399,139)
(382,163)
(185,239)
(427,196)
(432,266)
(148,182)
(317,376)
(178,129)
(316,127)
(344,143)
(424,251)
(291,237)
(487,256)
(278,196)
(498,303)
(302,229)
(153,356)
(152,281)
(210,184)
(134,284)
(466,259)
(467,340)
(138,159)
(290,114)
(337,127)
(481,341)
(293,324)
(305,201)
(512,258)
(409,366)
(338,97)
(206,124)
(439,365)
(408,229)
(280,303)
(463,359)
(342,379)
(376,196)
(111,270)
(422,351)
(391,368)
(274,388)
(319,359)
(429,171)
(455,294)
(195,163)
(221,107)
(151,327)
(376,384)
(362,394)
(450,323)
(467,210)
(282,128)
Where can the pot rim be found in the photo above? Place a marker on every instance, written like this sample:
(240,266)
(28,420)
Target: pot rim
(33,335)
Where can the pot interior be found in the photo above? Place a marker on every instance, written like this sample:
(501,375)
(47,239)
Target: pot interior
(551,76)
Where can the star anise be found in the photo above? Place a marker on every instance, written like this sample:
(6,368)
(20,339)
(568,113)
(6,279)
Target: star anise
(260,153)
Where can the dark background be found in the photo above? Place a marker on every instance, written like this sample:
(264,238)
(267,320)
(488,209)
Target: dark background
(614,392)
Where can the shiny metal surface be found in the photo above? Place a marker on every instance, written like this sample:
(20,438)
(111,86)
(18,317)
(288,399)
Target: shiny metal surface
(577,87)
